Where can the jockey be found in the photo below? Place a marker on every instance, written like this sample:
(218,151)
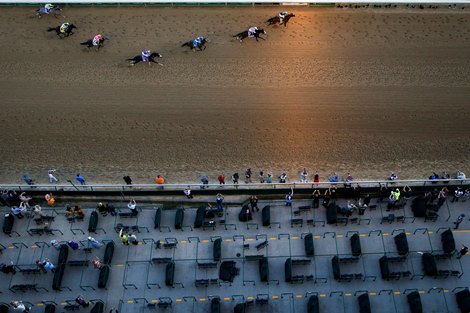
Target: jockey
(282,15)
(63,27)
(145,55)
(197,42)
(252,31)
(97,39)
(48,7)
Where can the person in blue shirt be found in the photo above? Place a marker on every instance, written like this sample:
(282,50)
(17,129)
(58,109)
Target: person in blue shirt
(80,179)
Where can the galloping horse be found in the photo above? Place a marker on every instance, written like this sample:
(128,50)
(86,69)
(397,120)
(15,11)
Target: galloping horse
(95,43)
(277,20)
(246,34)
(63,32)
(193,44)
(151,59)
(43,10)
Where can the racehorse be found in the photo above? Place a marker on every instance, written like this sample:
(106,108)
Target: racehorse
(138,58)
(244,34)
(53,11)
(89,43)
(201,46)
(277,20)
(68,31)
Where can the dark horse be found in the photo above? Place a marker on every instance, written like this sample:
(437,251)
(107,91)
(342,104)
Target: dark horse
(244,34)
(89,43)
(277,20)
(68,30)
(190,44)
(138,58)
(42,11)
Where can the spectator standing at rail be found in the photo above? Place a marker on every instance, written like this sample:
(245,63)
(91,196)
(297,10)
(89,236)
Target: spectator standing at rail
(204,181)
(261,177)
(269,179)
(127,180)
(248,174)
(52,178)
(303,176)
(235,178)
(221,179)
(159,180)
(80,179)
(282,178)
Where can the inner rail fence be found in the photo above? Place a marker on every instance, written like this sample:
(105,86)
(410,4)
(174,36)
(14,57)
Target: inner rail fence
(155,188)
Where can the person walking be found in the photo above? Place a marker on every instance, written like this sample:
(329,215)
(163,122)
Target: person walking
(123,237)
(219,199)
(80,179)
(459,220)
(133,239)
(289,197)
(132,205)
(188,193)
(463,251)
(254,203)
(52,178)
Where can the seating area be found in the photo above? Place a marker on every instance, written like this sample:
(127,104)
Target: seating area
(180,256)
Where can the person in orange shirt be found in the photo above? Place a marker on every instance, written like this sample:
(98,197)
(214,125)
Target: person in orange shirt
(159,180)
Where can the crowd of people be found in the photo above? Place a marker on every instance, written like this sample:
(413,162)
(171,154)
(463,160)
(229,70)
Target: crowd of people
(259,177)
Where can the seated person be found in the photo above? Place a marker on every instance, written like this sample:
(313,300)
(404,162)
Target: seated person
(102,209)
(69,213)
(110,208)
(50,199)
(79,212)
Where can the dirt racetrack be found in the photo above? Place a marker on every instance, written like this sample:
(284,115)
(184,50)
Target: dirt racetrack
(365,91)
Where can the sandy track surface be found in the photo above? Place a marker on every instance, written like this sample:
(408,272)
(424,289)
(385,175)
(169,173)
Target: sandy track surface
(337,90)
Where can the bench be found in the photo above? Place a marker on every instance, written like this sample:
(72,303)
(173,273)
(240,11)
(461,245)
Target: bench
(305,208)
(72,307)
(207,265)
(301,262)
(202,283)
(262,300)
(348,260)
(24,287)
(342,220)
(443,256)
(169,245)
(209,224)
(78,263)
(161,260)
(297,279)
(296,222)
(45,218)
(213,281)
(30,271)
(36,231)
(119,226)
(262,245)
(127,215)
(254,257)
(397,259)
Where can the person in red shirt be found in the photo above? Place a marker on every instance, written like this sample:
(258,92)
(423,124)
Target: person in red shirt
(159,180)
(221,179)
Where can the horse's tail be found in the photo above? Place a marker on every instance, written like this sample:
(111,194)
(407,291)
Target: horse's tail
(185,44)
(51,29)
(84,43)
